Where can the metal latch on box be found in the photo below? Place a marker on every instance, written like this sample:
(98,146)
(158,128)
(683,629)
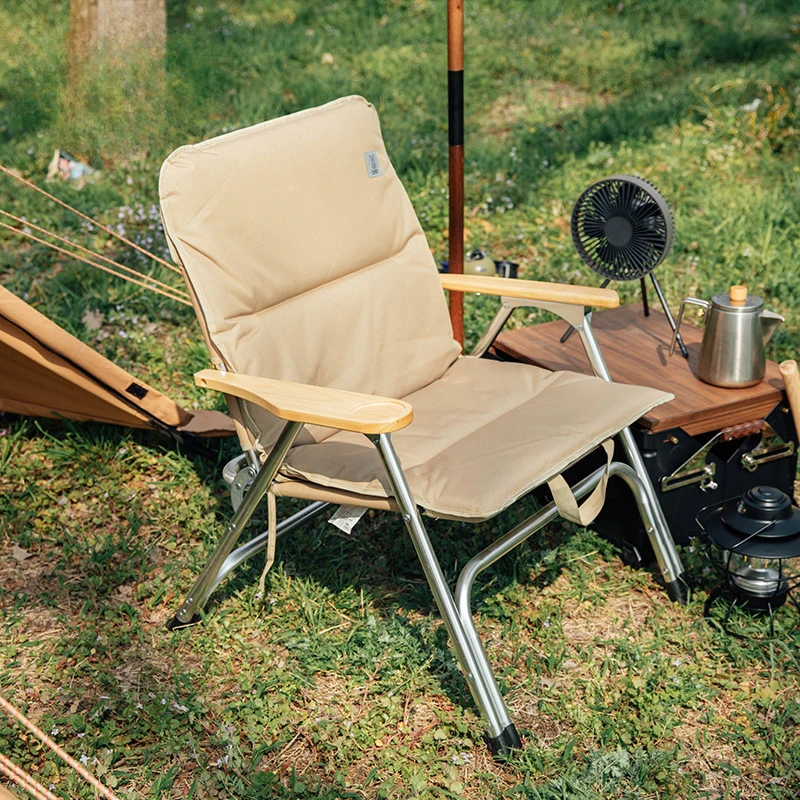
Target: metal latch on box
(697,470)
(694,470)
(771,448)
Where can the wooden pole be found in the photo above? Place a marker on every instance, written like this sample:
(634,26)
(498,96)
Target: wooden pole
(791,380)
(455,103)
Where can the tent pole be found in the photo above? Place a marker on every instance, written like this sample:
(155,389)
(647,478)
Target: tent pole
(455,103)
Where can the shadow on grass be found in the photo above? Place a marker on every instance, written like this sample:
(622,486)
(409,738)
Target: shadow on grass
(575,133)
(26,104)
(94,567)
(89,567)
(379,559)
(122,678)
(736,46)
(663,95)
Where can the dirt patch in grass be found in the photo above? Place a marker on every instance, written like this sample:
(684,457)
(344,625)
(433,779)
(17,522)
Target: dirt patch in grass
(584,624)
(704,754)
(530,101)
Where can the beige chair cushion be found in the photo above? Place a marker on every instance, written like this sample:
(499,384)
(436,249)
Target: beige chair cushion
(483,435)
(306,264)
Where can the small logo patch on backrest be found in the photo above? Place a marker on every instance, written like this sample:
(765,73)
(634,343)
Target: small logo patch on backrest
(373,165)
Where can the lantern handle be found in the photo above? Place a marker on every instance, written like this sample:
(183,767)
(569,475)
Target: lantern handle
(711,508)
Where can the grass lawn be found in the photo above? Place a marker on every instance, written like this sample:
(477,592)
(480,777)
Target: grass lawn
(340,682)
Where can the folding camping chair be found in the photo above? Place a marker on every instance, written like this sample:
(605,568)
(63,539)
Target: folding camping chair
(327,322)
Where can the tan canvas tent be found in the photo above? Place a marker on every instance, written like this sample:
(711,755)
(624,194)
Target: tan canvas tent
(47,372)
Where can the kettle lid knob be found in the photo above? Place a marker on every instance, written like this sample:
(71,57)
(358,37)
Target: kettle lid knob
(738,295)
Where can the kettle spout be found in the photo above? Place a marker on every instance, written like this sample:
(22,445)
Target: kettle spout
(769,321)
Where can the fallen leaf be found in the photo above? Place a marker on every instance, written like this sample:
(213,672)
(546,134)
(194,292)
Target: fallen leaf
(124,593)
(93,320)
(19,554)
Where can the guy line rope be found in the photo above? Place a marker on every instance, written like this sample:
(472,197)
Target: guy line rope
(120,271)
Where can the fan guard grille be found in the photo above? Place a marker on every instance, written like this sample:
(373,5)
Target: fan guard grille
(622,227)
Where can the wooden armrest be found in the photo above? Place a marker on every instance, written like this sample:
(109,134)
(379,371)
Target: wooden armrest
(313,405)
(532,290)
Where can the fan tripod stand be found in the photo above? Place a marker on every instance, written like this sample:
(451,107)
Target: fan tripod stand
(646,304)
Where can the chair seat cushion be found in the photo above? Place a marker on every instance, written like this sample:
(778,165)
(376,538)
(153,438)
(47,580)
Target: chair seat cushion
(483,435)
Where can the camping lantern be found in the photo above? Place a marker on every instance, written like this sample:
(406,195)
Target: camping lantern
(757,539)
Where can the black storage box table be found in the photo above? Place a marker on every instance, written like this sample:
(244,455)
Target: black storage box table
(707,445)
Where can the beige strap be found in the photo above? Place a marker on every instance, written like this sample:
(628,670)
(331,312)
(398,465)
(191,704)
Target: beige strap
(565,500)
(272,523)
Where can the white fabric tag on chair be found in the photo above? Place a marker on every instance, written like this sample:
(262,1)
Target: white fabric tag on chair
(373,165)
(346,517)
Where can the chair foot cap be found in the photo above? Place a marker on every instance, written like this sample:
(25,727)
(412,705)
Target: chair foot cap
(678,590)
(502,745)
(176,624)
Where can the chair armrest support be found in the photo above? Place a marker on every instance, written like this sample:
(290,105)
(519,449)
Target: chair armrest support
(313,405)
(532,290)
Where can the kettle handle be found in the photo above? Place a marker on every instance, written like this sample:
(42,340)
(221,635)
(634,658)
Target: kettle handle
(692,301)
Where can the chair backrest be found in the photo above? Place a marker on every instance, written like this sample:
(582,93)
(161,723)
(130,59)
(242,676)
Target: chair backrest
(305,258)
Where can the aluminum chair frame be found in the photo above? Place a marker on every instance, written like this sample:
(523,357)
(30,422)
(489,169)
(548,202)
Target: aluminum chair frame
(249,483)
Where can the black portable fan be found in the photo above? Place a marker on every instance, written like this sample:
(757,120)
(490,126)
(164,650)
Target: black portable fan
(623,229)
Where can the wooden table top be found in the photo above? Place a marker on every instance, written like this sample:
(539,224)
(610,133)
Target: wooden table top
(636,350)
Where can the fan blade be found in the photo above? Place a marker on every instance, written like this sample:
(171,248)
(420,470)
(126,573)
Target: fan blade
(643,208)
(606,253)
(643,229)
(640,254)
(594,227)
(653,239)
(628,198)
(603,200)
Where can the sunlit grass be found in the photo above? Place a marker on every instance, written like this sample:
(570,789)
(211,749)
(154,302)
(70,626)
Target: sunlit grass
(340,683)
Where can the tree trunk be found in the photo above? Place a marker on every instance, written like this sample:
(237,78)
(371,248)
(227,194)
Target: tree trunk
(116,25)
(116,88)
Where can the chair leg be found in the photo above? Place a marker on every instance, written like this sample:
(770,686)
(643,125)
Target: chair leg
(658,532)
(189,612)
(496,550)
(502,735)
(505,544)
(260,542)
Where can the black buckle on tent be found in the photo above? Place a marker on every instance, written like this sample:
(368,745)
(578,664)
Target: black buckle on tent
(137,391)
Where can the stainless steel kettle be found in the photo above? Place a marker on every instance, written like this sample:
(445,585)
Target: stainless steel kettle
(736,329)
